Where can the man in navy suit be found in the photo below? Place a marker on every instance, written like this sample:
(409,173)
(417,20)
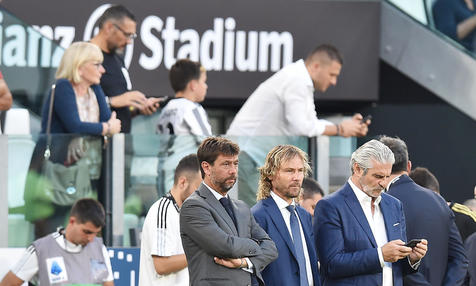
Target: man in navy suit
(360,231)
(288,224)
(428,216)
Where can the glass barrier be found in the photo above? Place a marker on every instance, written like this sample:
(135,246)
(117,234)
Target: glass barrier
(443,17)
(42,190)
(150,162)
(28,63)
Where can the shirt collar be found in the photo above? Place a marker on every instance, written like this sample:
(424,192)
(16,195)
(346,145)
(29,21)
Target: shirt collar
(392,181)
(217,195)
(308,78)
(282,204)
(361,196)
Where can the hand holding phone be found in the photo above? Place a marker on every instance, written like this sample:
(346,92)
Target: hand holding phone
(412,243)
(366,118)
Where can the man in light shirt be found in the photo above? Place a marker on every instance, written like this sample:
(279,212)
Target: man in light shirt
(288,224)
(360,231)
(74,255)
(282,107)
(162,259)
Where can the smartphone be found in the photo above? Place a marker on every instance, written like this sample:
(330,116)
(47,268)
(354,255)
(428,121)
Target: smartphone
(366,118)
(412,243)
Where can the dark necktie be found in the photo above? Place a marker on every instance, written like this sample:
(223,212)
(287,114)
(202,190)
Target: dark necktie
(298,247)
(225,202)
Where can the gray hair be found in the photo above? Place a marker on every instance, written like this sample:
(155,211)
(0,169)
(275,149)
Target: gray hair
(371,151)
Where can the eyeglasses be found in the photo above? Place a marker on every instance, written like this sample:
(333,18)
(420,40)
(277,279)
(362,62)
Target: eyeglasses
(130,36)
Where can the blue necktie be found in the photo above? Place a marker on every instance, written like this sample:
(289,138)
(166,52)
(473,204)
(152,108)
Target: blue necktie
(225,202)
(298,247)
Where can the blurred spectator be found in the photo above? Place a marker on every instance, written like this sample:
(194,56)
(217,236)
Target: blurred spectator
(117,29)
(311,194)
(5,95)
(470,245)
(79,107)
(5,100)
(70,256)
(465,218)
(427,216)
(283,105)
(162,259)
(183,116)
(471,203)
(457,20)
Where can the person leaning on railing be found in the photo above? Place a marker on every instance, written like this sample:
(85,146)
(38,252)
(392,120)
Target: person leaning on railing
(79,107)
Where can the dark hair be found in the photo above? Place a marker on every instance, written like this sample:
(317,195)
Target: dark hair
(423,177)
(400,152)
(188,164)
(182,72)
(117,13)
(330,51)
(89,210)
(310,187)
(212,147)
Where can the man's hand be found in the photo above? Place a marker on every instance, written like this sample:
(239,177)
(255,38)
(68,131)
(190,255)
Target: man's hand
(152,104)
(231,262)
(354,126)
(418,251)
(131,98)
(395,250)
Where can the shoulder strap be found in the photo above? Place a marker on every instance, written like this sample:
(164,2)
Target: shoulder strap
(3,115)
(48,124)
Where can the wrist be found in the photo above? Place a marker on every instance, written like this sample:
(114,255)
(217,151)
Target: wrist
(108,132)
(242,264)
(337,130)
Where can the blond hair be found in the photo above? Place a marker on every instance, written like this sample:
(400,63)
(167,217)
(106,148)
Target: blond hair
(74,57)
(275,158)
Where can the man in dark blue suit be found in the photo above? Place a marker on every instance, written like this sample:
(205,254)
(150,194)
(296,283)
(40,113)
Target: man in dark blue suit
(360,231)
(288,224)
(428,216)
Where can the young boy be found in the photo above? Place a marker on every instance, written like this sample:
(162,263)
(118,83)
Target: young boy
(183,116)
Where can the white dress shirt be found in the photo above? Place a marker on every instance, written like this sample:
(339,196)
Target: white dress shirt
(377,225)
(283,105)
(282,204)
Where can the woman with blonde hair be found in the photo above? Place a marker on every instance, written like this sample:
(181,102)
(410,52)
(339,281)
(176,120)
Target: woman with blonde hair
(79,108)
(79,104)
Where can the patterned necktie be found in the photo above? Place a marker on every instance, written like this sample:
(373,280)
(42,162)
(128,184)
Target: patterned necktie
(298,247)
(225,202)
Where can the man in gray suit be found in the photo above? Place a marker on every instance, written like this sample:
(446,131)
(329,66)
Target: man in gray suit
(222,241)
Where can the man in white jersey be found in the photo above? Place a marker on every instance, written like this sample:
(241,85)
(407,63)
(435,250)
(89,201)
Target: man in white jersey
(162,259)
(183,118)
(74,255)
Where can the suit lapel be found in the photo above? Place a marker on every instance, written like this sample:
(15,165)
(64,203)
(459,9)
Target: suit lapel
(307,234)
(356,210)
(278,220)
(239,213)
(205,193)
(392,223)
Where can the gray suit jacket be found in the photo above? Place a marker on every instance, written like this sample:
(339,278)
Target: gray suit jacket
(207,231)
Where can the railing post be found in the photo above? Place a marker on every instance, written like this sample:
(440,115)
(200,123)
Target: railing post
(118,191)
(323,165)
(4,190)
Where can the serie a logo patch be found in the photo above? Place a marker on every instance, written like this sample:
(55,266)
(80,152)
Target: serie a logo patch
(56,270)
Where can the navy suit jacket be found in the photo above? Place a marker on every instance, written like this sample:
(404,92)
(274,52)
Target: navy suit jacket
(428,216)
(284,270)
(345,244)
